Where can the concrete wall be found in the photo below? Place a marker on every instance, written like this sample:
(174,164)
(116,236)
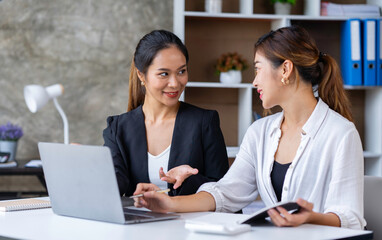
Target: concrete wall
(87,46)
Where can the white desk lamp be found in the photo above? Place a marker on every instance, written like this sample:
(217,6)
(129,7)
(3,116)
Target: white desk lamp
(37,96)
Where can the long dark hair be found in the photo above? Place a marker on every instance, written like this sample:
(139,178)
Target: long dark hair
(295,44)
(145,52)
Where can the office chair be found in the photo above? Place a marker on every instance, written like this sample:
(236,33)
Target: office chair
(372,205)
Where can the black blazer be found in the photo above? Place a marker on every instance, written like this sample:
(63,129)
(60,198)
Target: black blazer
(197,141)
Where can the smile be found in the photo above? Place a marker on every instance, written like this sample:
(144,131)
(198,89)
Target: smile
(171,94)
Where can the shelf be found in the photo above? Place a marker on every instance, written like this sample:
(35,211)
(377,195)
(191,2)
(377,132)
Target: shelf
(350,87)
(368,154)
(271,16)
(232,151)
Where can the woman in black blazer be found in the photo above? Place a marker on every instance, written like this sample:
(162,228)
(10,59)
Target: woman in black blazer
(157,123)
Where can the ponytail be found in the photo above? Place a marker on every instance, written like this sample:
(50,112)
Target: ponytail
(136,90)
(330,88)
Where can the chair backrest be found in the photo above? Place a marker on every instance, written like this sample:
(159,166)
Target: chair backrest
(373,205)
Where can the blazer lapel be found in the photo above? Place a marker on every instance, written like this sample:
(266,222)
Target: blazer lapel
(139,151)
(180,143)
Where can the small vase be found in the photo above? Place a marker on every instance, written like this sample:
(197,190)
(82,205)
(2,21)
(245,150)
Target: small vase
(232,76)
(213,6)
(283,8)
(10,147)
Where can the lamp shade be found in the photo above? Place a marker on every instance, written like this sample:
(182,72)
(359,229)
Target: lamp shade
(37,96)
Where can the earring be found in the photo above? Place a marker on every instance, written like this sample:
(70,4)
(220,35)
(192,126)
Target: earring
(142,83)
(285,81)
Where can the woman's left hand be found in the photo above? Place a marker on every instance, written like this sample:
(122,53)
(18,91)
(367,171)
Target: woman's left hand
(282,218)
(177,175)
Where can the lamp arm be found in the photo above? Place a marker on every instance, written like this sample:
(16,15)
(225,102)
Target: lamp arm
(64,120)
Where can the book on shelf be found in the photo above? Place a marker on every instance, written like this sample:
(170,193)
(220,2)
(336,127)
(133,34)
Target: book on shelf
(351,10)
(8,164)
(23,204)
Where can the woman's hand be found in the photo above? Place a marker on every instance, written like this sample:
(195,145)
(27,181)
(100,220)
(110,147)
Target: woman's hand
(157,202)
(177,175)
(282,218)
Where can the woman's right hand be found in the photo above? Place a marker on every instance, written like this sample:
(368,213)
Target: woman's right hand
(157,202)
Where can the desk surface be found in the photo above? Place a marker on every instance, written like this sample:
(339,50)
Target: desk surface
(44,224)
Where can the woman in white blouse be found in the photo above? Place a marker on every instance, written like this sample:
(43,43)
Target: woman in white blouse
(310,152)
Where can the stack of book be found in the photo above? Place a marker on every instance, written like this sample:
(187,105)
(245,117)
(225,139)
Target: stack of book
(350,10)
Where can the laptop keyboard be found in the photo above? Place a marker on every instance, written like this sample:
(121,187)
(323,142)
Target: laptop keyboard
(131,214)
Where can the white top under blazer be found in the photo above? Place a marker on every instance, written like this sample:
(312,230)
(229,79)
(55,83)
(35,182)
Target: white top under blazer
(327,170)
(155,163)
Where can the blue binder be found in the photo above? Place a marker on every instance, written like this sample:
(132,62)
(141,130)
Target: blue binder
(379,52)
(351,64)
(369,51)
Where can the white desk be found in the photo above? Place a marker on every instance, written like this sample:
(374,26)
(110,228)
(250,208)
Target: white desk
(44,224)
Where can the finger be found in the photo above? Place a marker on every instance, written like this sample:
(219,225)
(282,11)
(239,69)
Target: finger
(277,219)
(138,202)
(285,213)
(161,173)
(305,204)
(145,187)
(192,171)
(138,189)
(168,179)
(178,183)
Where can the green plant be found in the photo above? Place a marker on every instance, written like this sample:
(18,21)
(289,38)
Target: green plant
(292,2)
(230,61)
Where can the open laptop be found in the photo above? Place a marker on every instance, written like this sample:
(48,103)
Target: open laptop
(81,183)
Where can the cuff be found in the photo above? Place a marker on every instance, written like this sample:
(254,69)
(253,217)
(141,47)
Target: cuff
(211,189)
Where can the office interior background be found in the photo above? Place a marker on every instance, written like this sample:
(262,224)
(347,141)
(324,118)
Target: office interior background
(87,46)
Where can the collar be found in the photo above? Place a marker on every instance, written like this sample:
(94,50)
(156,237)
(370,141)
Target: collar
(311,126)
(316,119)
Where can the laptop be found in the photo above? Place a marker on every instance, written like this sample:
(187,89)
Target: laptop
(81,183)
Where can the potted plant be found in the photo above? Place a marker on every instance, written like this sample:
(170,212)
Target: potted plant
(229,66)
(283,7)
(9,135)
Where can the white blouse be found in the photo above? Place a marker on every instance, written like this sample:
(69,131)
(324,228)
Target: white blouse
(155,163)
(327,169)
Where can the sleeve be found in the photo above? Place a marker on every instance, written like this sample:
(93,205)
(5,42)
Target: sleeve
(214,155)
(345,195)
(109,136)
(238,187)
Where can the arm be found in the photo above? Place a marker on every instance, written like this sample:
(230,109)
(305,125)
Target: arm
(345,195)
(159,202)
(109,136)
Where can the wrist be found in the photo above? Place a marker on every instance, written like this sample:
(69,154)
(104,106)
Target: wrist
(173,206)
(312,218)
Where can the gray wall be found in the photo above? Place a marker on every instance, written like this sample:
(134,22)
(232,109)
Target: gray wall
(87,46)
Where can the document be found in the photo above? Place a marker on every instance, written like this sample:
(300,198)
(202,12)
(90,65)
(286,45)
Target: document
(23,204)
(351,64)
(379,52)
(369,51)
(261,215)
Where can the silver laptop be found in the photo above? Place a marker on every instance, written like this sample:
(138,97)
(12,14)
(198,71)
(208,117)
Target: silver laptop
(81,183)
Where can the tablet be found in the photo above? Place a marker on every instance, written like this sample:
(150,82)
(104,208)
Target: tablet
(260,215)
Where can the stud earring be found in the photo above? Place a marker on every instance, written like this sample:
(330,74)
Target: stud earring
(142,83)
(285,81)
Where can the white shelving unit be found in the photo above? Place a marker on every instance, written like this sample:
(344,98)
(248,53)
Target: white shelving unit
(372,109)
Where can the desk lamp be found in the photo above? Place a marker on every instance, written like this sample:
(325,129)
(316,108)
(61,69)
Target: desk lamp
(37,96)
